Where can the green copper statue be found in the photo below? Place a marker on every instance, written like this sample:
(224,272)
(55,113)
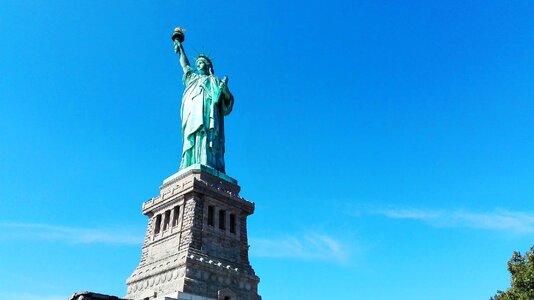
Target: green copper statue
(205,102)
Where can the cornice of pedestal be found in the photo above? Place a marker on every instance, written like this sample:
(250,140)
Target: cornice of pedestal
(196,180)
(199,168)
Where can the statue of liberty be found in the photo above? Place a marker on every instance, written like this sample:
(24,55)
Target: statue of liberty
(205,102)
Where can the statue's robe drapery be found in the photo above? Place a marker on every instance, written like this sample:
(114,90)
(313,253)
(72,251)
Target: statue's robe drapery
(204,105)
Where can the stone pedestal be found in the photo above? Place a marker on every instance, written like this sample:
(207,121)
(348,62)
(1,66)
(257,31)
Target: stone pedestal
(196,243)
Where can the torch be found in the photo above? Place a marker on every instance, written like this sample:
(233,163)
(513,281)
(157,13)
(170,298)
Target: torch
(178,34)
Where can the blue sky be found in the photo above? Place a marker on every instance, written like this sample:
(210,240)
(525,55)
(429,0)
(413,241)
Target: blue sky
(388,145)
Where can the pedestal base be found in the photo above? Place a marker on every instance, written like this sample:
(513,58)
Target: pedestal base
(196,241)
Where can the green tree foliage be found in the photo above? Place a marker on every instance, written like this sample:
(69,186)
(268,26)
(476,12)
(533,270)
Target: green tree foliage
(521,268)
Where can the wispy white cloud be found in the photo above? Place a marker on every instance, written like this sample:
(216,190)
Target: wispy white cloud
(307,247)
(503,220)
(67,234)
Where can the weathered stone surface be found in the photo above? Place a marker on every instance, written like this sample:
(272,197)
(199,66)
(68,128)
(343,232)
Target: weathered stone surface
(196,242)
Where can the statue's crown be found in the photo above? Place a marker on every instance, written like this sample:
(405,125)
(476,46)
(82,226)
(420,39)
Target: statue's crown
(206,58)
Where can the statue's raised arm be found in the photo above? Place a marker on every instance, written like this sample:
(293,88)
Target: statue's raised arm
(205,102)
(178,37)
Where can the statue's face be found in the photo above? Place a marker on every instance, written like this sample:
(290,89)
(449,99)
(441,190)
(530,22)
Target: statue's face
(202,66)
